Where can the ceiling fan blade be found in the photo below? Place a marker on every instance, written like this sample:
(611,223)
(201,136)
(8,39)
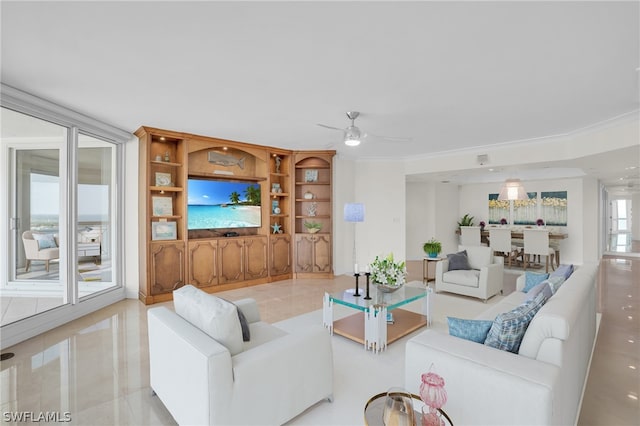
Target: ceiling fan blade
(389,138)
(330,127)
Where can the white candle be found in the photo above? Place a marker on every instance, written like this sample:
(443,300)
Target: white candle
(355,268)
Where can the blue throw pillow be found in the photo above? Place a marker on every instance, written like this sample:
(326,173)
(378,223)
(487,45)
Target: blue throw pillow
(45,241)
(544,287)
(564,271)
(532,279)
(508,329)
(458,261)
(474,330)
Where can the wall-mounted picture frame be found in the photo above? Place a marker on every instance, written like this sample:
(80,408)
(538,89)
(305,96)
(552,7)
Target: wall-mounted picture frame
(164,231)
(311,175)
(163,179)
(162,206)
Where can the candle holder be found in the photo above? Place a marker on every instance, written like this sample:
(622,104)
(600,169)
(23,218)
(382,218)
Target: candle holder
(356,294)
(367,274)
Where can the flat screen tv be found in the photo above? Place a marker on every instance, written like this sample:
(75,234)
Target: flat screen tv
(217,204)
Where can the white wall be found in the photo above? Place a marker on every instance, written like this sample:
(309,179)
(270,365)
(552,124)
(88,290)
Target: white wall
(432,211)
(380,185)
(343,193)
(131,264)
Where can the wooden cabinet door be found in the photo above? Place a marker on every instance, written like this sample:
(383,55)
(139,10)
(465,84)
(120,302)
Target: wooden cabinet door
(280,262)
(322,253)
(231,261)
(255,255)
(166,267)
(203,263)
(304,253)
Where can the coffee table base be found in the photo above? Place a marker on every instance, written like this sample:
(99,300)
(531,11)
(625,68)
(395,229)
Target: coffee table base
(405,322)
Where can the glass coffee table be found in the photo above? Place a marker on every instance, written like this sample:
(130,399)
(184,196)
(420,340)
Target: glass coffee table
(370,326)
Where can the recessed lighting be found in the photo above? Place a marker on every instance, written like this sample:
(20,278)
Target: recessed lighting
(630,317)
(630,341)
(633,367)
(633,396)
(162,138)
(631,168)
(224,148)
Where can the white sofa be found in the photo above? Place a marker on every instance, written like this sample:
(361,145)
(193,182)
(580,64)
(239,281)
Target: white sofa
(275,377)
(542,385)
(483,280)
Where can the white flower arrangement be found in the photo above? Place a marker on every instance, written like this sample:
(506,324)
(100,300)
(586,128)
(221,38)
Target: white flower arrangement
(387,272)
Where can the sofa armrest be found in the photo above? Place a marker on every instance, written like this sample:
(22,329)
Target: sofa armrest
(184,365)
(299,364)
(441,268)
(484,385)
(250,309)
(492,278)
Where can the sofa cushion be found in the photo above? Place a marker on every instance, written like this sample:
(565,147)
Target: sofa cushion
(458,261)
(532,279)
(45,241)
(564,271)
(478,256)
(555,283)
(508,329)
(474,330)
(470,278)
(262,332)
(213,315)
(544,287)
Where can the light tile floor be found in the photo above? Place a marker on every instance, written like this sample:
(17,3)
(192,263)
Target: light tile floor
(96,368)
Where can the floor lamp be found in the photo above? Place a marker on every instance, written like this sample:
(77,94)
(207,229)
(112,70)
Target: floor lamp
(354,212)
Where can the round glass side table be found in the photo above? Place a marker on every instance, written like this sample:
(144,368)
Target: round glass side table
(373,410)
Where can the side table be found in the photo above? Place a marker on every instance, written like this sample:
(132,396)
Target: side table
(426,261)
(374,409)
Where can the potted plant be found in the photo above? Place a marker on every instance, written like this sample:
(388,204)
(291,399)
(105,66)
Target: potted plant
(540,222)
(432,247)
(313,227)
(466,220)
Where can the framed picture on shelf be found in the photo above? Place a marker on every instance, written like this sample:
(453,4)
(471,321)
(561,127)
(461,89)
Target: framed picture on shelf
(163,179)
(164,231)
(275,188)
(162,206)
(311,175)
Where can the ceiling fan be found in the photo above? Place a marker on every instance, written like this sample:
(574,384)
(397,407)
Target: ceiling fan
(353,135)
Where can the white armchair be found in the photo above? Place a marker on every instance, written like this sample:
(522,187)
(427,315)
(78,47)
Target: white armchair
(275,377)
(483,280)
(32,250)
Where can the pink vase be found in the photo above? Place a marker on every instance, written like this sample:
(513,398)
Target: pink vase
(434,395)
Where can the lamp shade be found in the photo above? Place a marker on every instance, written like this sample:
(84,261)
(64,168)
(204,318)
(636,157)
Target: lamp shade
(354,212)
(512,189)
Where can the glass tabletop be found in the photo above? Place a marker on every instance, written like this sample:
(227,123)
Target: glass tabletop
(404,295)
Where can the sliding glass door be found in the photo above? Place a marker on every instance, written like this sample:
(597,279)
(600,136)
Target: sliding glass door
(62,208)
(36,150)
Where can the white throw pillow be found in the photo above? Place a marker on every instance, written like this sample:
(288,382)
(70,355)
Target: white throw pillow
(216,317)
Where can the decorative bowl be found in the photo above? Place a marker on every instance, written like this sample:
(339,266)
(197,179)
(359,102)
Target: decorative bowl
(387,288)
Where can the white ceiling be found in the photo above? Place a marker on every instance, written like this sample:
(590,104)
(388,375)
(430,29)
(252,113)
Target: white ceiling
(449,75)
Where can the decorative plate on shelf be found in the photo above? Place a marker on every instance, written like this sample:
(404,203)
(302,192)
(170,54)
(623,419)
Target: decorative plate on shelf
(163,179)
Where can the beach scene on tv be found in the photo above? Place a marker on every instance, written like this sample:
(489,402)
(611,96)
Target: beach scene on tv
(216,204)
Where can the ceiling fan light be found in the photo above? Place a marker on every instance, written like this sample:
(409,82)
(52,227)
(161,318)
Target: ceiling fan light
(352,136)
(351,141)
